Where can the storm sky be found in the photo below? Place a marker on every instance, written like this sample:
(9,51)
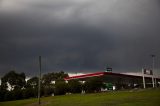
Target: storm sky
(79,35)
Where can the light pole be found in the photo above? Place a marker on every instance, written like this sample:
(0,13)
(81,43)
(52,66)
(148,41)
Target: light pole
(153,62)
(144,85)
(39,83)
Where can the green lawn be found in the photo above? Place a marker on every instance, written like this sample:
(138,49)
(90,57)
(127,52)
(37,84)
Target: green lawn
(149,97)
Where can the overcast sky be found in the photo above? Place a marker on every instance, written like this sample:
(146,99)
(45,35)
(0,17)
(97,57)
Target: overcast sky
(79,35)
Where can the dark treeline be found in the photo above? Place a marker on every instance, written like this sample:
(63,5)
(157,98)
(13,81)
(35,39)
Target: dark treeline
(14,85)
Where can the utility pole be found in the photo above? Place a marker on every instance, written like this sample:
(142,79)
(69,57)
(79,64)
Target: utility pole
(154,83)
(39,84)
(144,84)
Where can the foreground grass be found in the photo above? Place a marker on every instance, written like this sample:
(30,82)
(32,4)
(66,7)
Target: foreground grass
(149,97)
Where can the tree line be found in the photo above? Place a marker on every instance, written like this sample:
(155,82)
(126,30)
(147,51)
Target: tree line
(15,87)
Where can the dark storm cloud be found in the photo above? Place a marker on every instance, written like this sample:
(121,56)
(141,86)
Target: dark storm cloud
(76,35)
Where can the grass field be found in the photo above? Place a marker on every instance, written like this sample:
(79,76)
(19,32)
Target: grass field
(148,97)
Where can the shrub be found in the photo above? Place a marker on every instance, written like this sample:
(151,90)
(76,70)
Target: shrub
(74,86)
(93,84)
(60,88)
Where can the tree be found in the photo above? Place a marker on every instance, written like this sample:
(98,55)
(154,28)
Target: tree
(2,93)
(60,76)
(48,90)
(32,82)
(93,84)
(30,92)
(21,89)
(74,86)
(48,86)
(31,88)
(15,80)
(48,78)
(60,88)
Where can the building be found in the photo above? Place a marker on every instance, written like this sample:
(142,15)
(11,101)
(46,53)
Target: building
(119,80)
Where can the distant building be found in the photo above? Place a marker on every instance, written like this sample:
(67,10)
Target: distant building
(118,80)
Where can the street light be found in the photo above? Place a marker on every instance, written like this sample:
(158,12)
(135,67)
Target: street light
(39,84)
(153,62)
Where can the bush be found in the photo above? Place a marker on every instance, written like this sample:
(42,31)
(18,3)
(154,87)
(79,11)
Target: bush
(30,93)
(2,94)
(60,88)
(48,90)
(93,84)
(8,96)
(17,94)
(74,86)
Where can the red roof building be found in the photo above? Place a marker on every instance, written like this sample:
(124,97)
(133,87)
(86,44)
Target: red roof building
(117,78)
